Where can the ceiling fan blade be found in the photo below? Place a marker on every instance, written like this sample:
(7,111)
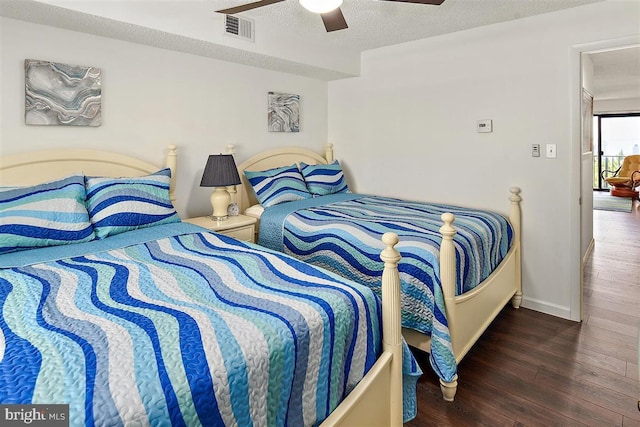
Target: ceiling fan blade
(334,20)
(433,2)
(248,6)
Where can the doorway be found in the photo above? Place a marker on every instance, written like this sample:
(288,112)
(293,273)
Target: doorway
(616,136)
(605,62)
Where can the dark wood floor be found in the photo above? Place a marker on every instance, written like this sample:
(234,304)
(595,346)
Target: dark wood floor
(532,369)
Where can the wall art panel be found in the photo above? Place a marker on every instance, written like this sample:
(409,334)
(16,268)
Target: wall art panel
(284,112)
(62,94)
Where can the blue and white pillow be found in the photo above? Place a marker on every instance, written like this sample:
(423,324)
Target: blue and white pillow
(279,185)
(324,179)
(47,214)
(117,205)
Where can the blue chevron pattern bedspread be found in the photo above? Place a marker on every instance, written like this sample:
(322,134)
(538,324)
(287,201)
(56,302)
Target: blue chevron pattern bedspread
(175,326)
(341,232)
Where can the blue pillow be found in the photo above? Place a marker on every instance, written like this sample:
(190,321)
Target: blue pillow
(117,205)
(324,179)
(278,185)
(47,214)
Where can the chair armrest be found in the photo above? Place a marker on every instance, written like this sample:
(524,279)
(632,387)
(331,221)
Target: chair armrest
(614,173)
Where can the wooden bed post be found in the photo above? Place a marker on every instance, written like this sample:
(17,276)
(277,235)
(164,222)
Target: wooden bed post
(391,323)
(172,163)
(514,219)
(231,149)
(377,400)
(328,153)
(448,278)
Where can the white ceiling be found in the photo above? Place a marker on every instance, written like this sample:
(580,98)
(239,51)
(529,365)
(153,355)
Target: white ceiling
(616,74)
(374,24)
(291,39)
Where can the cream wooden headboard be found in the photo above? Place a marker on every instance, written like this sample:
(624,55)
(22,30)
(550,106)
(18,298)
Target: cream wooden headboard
(270,159)
(32,168)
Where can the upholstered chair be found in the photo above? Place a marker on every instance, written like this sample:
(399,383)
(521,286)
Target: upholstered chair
(626,179)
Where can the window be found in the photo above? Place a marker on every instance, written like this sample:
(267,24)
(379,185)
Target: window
(615,137)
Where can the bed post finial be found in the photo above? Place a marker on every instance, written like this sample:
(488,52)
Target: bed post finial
(391,323)
(172,163)
(328,153)
(448,257)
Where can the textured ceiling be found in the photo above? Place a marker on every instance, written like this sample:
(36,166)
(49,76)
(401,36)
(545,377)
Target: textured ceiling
(374,24)
(616,74)
(289,38)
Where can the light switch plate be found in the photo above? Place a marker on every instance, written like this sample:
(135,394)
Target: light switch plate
(484,126)
(551,151)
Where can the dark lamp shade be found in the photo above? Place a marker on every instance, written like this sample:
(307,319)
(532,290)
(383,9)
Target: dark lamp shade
(220,171)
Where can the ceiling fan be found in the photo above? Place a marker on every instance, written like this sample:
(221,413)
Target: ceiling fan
(329,10)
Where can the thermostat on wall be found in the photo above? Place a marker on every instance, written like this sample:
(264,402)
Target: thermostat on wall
(485,126)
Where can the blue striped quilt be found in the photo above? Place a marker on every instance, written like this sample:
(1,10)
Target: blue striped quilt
(341,233)
(188,328)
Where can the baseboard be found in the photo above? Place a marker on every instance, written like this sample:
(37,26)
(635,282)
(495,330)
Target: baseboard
(546,307)
(587,253)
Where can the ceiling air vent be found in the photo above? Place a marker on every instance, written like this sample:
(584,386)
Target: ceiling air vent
(238,27)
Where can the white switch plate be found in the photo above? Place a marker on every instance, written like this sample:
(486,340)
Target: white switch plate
(551,151)
(535,150)
(484,126)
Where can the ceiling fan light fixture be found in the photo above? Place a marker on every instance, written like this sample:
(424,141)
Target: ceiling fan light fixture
(320,6)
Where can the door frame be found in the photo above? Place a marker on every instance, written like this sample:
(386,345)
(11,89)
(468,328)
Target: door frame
(576,206)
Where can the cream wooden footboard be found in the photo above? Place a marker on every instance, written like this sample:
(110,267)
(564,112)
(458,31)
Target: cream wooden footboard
(375,401)
(469,314)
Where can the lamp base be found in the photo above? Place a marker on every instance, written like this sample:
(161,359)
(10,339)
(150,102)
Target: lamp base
(220,200)
(218,218)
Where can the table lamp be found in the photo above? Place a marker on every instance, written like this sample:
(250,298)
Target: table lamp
(219,172)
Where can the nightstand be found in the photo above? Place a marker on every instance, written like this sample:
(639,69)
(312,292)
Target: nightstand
(240,227)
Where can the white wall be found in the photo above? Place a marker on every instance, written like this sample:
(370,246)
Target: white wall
(152,98)
(414,109)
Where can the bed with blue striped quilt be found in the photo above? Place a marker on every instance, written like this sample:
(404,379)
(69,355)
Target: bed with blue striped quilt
(172,325)
(341,233)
